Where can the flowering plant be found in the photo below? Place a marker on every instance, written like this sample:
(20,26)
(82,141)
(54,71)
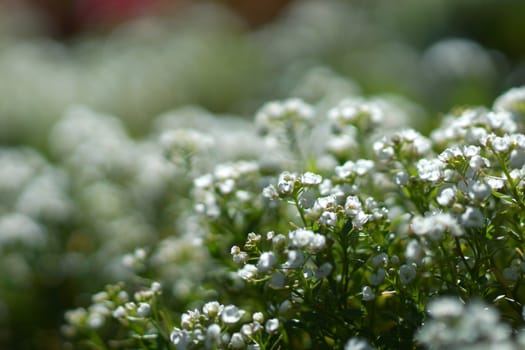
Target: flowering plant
(351,235)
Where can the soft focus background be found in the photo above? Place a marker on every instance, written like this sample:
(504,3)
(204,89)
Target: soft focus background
(80,187)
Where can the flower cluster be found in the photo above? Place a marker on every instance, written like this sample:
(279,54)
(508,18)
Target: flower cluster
(328,220)
(474,325)
(139,314)
(218,326)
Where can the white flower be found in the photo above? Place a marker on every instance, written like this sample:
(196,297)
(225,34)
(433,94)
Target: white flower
(360,220)
(479,191)
(357,344)
(363,166)
(301,237)
(275,113)
(95,320)
(499,144)
(368,293)
(434,226)
(310,178)
(328,218)
(180,338)
(472,217)
(318,242)
(413,251)
(119,312)
(446,307)
(249,329)
(325,203)
(226,186)
(270,192)
(295,259)
(383,151)
(495,183)
(248,272)
(502,120)
(353,205)
(512,100)
(144,309)
(285,184)
(478,162)
(231,314)
(258,317)
(446,196)
(401,178)
(266,261)
(212,309)
(278,242)
(271,326)
(22,229)
(341,145)
(237,341)
(430,170)
(213,335)
(203,182)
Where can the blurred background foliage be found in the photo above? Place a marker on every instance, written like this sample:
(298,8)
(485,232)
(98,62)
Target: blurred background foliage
(138,60)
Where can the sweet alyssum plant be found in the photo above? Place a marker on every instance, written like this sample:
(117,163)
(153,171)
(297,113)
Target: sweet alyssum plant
(346,233)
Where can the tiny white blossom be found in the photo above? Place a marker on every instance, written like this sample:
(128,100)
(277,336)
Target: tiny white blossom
(180,338)
(144,309)
(266,261)
(401,178)
(95,320)
(472,217)
(258,317)
(328,218)
(479,191)
(248,272)
(295,259)
(499,144)
(212,309)
(310,178)
(447,307)
(301,237)
(353,205)
(447,196)
(512,100)
(119,312)
(285,184)
(317,242)
(271,326)
(414,251)
(357,344)
(231,314)
(237,341)
(270,192)
(368,293)
(430,170)
(213,335)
